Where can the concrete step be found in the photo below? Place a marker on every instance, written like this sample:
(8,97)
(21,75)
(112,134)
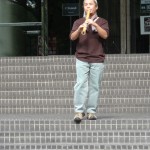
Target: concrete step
(137,101)
(69,109)
(64,123)
(36,105)
(67,85)
(109,132)
(107,92)
(77,146)
(67,60)
(71,68)
(90,137)
(107,76)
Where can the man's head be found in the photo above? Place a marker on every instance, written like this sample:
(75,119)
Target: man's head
(91,5)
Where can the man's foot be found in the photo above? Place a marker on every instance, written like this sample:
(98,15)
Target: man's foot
(91,116)
(78,117)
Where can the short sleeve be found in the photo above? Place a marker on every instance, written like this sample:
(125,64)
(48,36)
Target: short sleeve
(104,24)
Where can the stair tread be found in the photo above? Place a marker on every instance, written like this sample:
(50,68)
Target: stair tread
(69,117)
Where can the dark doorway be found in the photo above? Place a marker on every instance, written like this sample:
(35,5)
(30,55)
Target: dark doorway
(59,26)
(139,42)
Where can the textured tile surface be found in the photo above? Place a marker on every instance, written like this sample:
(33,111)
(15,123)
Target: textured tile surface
(36,105)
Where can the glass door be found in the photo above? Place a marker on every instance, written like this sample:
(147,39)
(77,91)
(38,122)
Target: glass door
(140,43)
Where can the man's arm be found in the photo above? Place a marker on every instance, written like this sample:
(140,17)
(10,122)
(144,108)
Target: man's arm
(77,32)
(101,32)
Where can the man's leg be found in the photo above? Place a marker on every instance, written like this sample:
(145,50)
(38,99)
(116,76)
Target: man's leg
(81,86)
(96,71)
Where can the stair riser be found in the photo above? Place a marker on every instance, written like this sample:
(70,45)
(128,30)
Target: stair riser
(119,93)
(69,68)
(25,86)
(67,146)
(27,138)
(64,110)
(124,102)
(133,76)
(53,60)
(104,127)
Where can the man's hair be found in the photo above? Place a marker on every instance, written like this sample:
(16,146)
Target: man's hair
(94,1)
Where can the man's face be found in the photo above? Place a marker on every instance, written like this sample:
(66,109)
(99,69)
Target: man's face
(90,5)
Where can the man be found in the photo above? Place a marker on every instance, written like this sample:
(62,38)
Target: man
(89,60)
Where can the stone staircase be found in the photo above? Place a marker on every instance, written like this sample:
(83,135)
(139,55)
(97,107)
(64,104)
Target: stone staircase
(36,105)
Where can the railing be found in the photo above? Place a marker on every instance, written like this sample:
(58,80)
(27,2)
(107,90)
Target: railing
(19,24)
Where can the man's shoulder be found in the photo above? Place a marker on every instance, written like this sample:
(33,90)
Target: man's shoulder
(100,19)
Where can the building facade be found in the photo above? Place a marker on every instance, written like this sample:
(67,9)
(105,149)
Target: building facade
(124,17)
(128,20)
